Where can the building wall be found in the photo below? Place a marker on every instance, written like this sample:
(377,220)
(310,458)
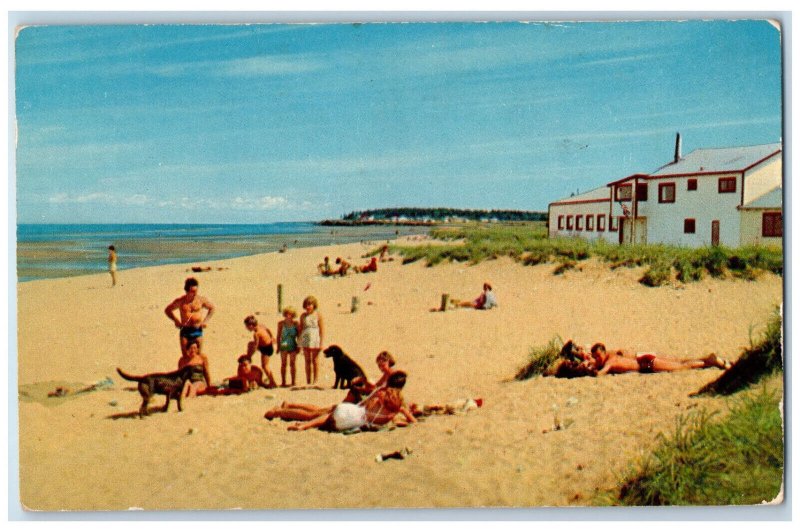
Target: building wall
(763,178)
(665,221)
(751,229)
(593,208)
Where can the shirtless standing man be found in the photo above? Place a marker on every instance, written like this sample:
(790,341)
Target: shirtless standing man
(190,306)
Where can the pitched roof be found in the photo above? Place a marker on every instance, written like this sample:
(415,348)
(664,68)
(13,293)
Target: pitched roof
(599,193)
(719,160)
(770,200)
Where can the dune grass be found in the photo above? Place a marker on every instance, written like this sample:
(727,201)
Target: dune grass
(760,360)
(528,244)
(711,461)
(541,360)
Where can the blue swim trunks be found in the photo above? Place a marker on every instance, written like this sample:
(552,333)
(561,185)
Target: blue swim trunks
(191,332)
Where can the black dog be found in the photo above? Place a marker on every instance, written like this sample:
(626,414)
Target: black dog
(346,368)
(169,384)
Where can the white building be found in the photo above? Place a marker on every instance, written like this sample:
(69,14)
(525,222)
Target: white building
(727,196)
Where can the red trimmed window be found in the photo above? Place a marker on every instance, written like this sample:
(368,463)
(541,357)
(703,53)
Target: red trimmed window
(691,184)
(641,192)
(666,193)
(569,222)
(624,193)
(561,221)
(590,222)
(613,223)
(601,222)
(579,222)
(726,184)
(772,224)
(689,226)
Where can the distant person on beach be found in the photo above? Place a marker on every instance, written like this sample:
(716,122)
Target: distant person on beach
(617,362)
(201,377)
(485,301)
(377,410)
(325,267)
(262,341)
(384,253)
(287,343)
(192,321)
(344,266)
(370,267)
(311,335)
(112,265)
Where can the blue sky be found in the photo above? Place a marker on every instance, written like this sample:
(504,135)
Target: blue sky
(263,123)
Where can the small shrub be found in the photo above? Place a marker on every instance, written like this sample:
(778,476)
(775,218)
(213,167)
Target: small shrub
(657,275)
(564,266)
(542,360)
(713,259)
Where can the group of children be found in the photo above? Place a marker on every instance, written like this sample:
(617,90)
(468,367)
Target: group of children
(294,335)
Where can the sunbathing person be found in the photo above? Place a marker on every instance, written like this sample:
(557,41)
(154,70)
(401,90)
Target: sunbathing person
(485,301)
(344,267)
(617,362)
(371,266)
(325,267)
(377,410)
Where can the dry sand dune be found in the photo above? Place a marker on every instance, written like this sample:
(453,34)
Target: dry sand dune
(90,451)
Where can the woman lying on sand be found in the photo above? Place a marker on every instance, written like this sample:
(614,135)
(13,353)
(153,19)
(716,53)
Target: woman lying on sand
(577,363)
(377,410)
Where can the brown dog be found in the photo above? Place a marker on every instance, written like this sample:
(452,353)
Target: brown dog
(169,384)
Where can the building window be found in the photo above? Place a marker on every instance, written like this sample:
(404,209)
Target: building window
(601,222)
(772,224)
(569,222)
(641,192)
(666,193)
(624,193)
(613,223)
(691,184)
(590,222)
(579,222)
(561,221)
(727,184)
(689,226)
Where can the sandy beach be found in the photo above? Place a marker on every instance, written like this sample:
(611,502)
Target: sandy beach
(91,452)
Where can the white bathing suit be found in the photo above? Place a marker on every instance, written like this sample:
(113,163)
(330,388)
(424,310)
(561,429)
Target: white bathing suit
(348,416)
(310,336)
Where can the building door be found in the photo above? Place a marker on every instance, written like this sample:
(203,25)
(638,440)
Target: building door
(640,231)
(715,233)
(622,230)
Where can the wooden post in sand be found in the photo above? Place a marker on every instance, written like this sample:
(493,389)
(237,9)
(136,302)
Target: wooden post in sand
(354,305)
(280,298)
(445,298)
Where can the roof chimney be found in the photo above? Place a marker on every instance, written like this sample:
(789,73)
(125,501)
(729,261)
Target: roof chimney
(677,147)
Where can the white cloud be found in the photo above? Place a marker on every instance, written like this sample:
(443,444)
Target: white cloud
(92,197)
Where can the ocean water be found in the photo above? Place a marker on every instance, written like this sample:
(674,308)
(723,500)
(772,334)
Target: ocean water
(46,251)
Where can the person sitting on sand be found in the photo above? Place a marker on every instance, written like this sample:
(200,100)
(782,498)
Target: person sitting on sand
(384,253)
(262,341)
(617,362)
(377,410)
(344,267)
(325,267)
(360,387)
(485,301)
(200,377)
(370,267)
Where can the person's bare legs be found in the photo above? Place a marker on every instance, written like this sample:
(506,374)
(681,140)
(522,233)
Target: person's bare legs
(666,364)
(314,365)
(307,357)
(312,424)
(267,372)
(297,412)
(284,356)
(293,365)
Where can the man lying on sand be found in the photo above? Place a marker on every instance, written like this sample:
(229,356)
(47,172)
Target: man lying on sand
(577,363)
(377,410)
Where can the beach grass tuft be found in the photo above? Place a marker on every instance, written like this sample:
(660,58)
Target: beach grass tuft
(708,461)
(760,360)
(528,244)
(541,360)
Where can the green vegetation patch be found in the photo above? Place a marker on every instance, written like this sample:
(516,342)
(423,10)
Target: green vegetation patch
(541,360)
(528,244)
(707,461)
